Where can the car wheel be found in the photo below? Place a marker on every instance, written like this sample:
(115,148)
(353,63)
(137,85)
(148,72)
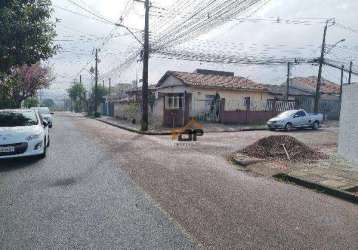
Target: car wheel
(43,155)
(288,127)
(272,129)
(48,141)
(315,125)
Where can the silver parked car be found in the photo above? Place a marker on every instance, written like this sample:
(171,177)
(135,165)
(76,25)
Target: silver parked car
(295,119)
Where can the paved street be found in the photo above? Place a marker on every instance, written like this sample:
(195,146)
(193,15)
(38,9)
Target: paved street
(81,196)
(78,198)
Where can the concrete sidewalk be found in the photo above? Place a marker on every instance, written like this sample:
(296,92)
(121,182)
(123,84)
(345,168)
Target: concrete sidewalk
(331,175)
(208,127)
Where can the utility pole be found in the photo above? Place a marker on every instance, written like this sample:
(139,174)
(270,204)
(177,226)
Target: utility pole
(321,61)
(288,80)
(144,122)
(109,85)
(350,73)
(96,82)
(80,96)
(341,89)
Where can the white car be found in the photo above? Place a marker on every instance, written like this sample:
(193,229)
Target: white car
(45,114)
(23,133)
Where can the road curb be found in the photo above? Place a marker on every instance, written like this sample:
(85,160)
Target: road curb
(168,133)
(324,189)
(131,129)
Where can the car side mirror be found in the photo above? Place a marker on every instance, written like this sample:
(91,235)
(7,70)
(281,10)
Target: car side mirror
(44,123)
(52,113)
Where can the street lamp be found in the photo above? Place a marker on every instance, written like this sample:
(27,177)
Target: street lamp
(335,45)
(145,57)
(131,32)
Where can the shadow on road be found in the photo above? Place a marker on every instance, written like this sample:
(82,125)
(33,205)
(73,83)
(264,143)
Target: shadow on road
(301,130)
(7,165)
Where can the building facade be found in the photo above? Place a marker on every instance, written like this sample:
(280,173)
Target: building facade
(211,96)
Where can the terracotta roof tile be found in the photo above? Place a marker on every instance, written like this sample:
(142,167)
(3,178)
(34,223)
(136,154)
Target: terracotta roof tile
(215,81)
(309,83)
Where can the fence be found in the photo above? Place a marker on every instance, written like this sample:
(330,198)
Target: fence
(206,110)
(330,106)
(280,105)
(249,111)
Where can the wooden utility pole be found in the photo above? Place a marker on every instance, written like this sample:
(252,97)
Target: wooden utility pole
(144,122)
(350,73)
(341,90)
(96,82)
(288,80)
(80,96)
(321,61)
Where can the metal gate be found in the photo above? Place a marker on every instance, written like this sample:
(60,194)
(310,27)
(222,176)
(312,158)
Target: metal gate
(206,110)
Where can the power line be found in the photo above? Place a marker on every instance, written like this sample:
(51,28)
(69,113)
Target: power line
(228,59)
(340,25)
(80,14)
(106,39)
(91,12)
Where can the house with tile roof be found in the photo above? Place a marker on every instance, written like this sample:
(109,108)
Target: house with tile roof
(214,96)
(303,91)
(308,84)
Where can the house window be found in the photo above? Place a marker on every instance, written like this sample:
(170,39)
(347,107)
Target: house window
(173,102)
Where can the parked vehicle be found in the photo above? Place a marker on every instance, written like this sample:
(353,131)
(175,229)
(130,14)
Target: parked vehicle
(23,133)
(295,119)
(46,114)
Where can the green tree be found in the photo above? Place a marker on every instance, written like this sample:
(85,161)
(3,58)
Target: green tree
(5,100)
(101,92)
(27,33)
(31,102)
(48,103)
(77,94)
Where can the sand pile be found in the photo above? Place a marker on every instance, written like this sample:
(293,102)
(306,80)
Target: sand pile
(272,148)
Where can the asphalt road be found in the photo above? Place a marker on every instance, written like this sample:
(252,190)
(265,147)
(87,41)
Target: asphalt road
(90,193)
(79,198)
(221,207)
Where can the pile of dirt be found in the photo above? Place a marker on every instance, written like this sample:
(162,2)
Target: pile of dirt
(272,148)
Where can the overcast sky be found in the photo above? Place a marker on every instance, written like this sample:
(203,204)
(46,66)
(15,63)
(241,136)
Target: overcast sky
(78,35)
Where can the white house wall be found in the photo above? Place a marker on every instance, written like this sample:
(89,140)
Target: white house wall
(348,129)
(234,100)
(170,83)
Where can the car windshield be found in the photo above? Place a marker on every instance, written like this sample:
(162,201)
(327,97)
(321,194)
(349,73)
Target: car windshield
(44,111)
(286,114)
(17,118)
